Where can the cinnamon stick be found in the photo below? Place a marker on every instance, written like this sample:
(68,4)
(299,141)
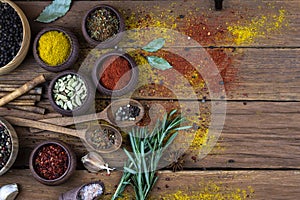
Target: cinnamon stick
(22,103)
(19,113)
(33,109)
(22,90)
(24,97)
(10,88)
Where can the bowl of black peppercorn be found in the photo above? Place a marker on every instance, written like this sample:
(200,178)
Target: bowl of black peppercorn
(15,36)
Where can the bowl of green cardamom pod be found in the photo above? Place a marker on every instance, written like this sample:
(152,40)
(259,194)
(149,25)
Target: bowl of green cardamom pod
(70,93)
(55,49)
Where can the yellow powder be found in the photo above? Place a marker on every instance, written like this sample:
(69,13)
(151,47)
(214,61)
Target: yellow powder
(258,27)
(211,191)
(54,48)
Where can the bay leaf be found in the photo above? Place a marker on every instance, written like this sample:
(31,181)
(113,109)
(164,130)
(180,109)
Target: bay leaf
(56,9)
(158,63)
(154,45)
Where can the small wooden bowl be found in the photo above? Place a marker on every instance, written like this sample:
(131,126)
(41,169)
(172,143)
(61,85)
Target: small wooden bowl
(110,42)
(67,174)
(72,57)
(99,66)
(73,194)
(86,104)
(15,146)
(17,60)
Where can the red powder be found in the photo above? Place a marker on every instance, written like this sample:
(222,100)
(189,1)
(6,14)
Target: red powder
(116,73)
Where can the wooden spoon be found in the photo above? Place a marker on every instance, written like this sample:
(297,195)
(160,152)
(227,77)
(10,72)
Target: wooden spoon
(107,114)
(84,134)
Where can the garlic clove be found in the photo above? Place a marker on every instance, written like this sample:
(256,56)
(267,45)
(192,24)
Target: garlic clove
(9,192)
(93,162)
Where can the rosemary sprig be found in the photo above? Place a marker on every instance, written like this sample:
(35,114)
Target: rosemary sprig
(148,148)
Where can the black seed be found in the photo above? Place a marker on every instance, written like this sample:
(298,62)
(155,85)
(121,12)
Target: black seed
(11,33)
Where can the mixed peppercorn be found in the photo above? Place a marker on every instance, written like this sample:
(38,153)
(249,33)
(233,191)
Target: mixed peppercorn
(11,33)
(128,112)
(5,145)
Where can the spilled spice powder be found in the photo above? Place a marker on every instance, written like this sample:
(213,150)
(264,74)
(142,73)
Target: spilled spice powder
(202,31)
(116,73)
(260,27)
(211,191)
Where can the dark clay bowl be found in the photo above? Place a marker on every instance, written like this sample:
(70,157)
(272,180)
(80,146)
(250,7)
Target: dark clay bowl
(110,42)
(67,174)
(72,57)
(79,110)
(98,68)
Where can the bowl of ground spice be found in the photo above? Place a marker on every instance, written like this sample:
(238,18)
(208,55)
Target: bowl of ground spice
(102,26)
(52,162)
(115,73)
(14,36)
(55,49)
(70,93)
(9,146)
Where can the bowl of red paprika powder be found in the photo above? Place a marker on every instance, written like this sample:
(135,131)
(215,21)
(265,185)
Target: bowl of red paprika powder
(115,73)
(52,162)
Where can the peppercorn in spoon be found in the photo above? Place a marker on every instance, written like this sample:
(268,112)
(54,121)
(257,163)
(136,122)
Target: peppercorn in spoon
(102,139)
(121,113)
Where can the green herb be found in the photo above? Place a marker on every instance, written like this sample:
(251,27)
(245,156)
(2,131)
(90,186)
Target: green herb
(148,148)
(56,9)
(154,45)
(154,61)
(158,62)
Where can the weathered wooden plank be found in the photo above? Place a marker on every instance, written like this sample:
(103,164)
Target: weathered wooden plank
(255,135)
(195,184)
(167,13)
(248,74)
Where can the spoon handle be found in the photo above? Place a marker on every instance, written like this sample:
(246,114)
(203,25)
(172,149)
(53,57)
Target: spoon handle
(44,126)
(66,121)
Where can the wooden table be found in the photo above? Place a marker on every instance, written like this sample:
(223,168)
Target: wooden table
(257,155)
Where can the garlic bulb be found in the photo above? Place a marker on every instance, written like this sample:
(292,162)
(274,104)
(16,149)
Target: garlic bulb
(9,192)
(93,162)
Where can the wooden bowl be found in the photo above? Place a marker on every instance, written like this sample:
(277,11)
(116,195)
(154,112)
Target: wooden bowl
(110,42)
(99,68)
(86,104)
(15,146)
(73,194)
(17,60)
(67,174)
(72,57)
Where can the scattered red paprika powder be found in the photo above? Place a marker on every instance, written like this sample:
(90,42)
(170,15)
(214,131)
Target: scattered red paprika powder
(116,73)
(51,161)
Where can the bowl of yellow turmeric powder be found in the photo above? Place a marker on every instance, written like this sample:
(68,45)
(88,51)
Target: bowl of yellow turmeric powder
(55,49)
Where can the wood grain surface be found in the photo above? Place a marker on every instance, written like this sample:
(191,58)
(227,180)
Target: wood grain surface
(257,153)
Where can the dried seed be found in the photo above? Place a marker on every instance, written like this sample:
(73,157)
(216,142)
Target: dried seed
(70,94)
(69,104)
(74,84)
(78,86)
(78,101)
(62,97)
(69,88)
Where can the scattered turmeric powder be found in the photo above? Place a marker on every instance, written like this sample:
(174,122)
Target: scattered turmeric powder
(54,48)
(211,191)
(258,27)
